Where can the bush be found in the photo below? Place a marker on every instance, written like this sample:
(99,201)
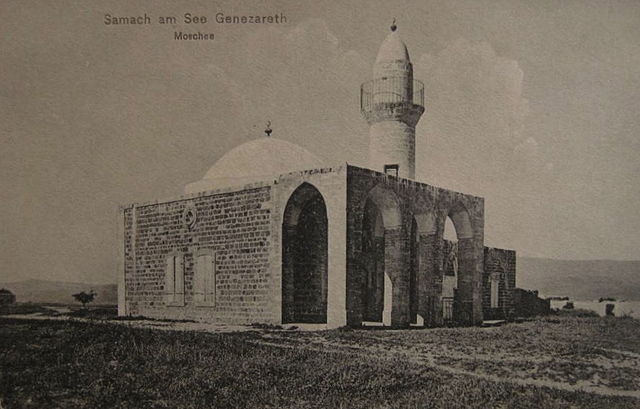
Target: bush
(627,315)
(579,312)
(85,298)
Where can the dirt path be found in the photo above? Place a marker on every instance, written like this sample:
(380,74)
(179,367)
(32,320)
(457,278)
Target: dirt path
(151,324)
(430,360)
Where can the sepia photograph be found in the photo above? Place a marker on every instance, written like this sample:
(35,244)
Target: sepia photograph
(320,204)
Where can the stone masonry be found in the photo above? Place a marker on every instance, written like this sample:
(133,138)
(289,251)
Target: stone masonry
(499,264)
(244,229)
(297,243)
(235,225)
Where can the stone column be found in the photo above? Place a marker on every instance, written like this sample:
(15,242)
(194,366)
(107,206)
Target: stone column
(397,269)
(430,279)
(469,284)
(336,204)
(288,288)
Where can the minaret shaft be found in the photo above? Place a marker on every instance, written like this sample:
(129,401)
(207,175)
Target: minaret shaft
(392,104)
(392,142)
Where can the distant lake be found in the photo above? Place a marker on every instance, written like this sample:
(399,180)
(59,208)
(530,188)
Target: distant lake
(621,308)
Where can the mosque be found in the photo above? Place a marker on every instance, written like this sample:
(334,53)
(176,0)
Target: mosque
(300,242)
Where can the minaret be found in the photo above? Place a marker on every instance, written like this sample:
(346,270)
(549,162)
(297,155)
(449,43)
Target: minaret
(392,104)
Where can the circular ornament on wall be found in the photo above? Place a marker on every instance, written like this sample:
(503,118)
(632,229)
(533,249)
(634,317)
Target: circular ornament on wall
(189,216)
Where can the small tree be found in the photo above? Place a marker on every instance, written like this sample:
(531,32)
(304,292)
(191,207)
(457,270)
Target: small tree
(85,298)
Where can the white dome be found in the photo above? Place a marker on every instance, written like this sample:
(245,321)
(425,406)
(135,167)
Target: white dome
(254,161)
(392,49)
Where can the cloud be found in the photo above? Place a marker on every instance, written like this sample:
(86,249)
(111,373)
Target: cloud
(95,127)
(527,153)
(307,83)
(472,136)
(475,115)
(141,120)
(528,148)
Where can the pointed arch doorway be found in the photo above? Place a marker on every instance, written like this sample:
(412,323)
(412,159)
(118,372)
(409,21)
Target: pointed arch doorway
(304,257)
(381,261)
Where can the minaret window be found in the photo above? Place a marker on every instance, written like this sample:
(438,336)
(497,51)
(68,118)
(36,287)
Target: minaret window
(392,169)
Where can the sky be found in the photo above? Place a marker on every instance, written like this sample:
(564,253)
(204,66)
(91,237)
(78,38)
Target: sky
(531,105)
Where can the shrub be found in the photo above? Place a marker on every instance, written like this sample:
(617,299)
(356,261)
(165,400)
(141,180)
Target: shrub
(85,298)
(627,315)
(579,312)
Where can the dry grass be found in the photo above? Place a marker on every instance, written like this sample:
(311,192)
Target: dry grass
(76,364)
(590,352)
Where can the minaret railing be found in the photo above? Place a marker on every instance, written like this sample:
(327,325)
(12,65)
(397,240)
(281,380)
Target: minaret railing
(390,90)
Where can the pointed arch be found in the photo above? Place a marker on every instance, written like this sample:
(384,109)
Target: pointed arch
(388,204)
(423,305)
(462,289)
(381,261)
(459,215)
(426,222)
(305,257)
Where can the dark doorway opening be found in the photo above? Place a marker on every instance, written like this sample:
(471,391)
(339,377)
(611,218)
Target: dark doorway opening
(304,257)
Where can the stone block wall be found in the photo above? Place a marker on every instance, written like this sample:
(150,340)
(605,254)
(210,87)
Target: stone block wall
(236,226)
(243,229)
(242,226)
(331,183)
(501,264)
(404,201)
(528,304)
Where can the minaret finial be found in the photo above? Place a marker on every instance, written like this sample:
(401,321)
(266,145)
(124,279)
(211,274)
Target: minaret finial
(393,25)
(268,130)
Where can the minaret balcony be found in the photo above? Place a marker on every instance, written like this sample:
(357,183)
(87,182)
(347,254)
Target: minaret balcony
(392,98)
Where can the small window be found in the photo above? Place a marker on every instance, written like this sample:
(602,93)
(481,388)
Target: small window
(174,280)
(204,283)
(391,169)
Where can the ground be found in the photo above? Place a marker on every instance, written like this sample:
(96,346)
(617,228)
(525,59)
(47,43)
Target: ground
(555,362)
